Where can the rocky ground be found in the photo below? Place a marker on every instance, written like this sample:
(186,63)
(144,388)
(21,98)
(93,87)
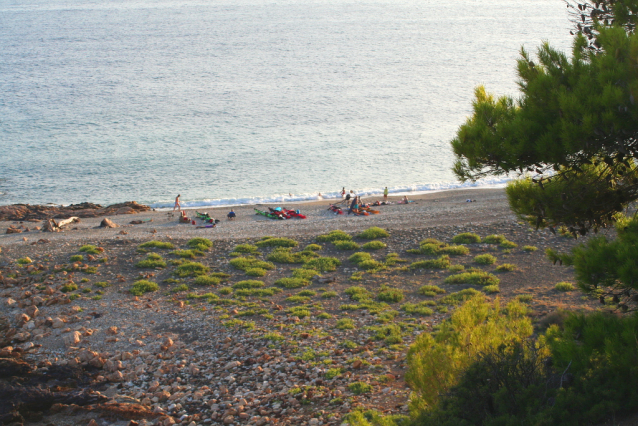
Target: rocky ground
(223,352)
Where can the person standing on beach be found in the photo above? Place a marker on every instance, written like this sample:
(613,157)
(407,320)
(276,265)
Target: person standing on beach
(177,205)
(385,194)
(343,193)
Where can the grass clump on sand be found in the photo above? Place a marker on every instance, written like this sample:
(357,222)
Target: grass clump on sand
(258,292)
(143,286)
(455,250)
(490,289)
(357,258)
(476,277)
(322,264)
(421,308)
(298,311)
(206,280)
(374,245)
(564,286)
(359,388)
(304,274)
(358,293)
(373,233)
(285,255)
(530,249)
(371,265)
(157,245)
(506,267)
(485,259)
(390,295)
(329,294)
(246,249)
(199,243)
(69,287)
(277,242)
(153,260)
(466,238)
(91,249)
(508,245)
(308,293)
(313,247)
(187,254)
(346,245)
(345,324)
(244,263)
(442,262)
(255,272)
(298,299)
(494,239)
(190,269)
(430,290)
(249,284)
(76,258)
(102,284)
(458,297)
(433,247)
(24,261)
(333,236)
(291,282)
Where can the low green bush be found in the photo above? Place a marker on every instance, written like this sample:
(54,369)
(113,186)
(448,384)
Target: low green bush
(530,248)
(476,277)
(304,274)
(143,286)
(308,293)
(333,236)
(456,268)
(430,290)
(190,269)
(329,294)
(298,299)
(101,284)
(458,297)
(485,259)
(466,238)
(359,388)
(358,293)
(156,244)
(455,250)
(246,249)
(206,280)
(225,291)
(357,258)
(421,308)
(313,247)
(199,243)
(490,289)
(76,258)
(345,324)
(390,295)
(257,292)
(373,233)
(442,262)
(374,245)
(152,261)
(69,287)
(187,254)
(508,245)
(181,287)
(346,245)
(255,272)
(277,242)
(371,265)
(249,284)
(506,267)
(564,286)
(291,282)
(91,249)
(494,239)
(322,264)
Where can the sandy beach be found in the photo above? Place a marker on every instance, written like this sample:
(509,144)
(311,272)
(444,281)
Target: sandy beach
(246,347)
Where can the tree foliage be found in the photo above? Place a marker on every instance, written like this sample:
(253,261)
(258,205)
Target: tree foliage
(573,132)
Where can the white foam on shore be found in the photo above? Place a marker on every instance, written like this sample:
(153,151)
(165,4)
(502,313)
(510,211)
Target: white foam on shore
(363,193)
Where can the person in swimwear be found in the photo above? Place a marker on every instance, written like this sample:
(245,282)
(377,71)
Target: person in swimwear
(177,205)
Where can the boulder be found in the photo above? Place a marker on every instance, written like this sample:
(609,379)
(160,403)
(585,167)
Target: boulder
(108,223)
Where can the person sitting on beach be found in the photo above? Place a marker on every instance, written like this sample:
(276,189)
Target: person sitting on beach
(231,215)
(177,205)
(354,205)
(405,200)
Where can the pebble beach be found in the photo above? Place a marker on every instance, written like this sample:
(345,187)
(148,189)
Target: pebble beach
(225,353)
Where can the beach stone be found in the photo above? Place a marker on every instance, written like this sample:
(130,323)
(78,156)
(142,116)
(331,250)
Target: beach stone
(10,302)
(72,338)
(111,331)
(108,223)
(58,323)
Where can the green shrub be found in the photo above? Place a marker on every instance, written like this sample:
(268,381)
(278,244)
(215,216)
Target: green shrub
(143,286)
(153,260)
(459,297)
(373,233)
(273,336)
(333,236)
(427,248)
(74,296)
(490,289)
(485,259)
(390,295)
(430,290)
(101,284)
(436,361)
(442,262)
(506,267)
(69,287)
(508,245)
(257,292)
(244,263)
(494,239)
(466,238)
(357,258)
(530,248)
(256,272)
(189,269)
(374,245)
(456,268)
(225,291)
(198,243)
(298,299)
(156,244)
(390,334)
(308,293)
(76,258)
(525,298)
(371,265)
(333,372)
(246,248)
(206,280)
(304,274)
(359,388)
(291,282)
(322,264)
(358,293)
(329,294)
(564,286)
(313,247)
(249,284)
(298,311)
(91,249)
(454,250)
(476,278)
(345,324)
(187,254)
(277,242)
(24,261)
(181,287)
(346,245)
(421,308)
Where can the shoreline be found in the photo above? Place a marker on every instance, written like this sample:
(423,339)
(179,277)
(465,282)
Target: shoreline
(428,210)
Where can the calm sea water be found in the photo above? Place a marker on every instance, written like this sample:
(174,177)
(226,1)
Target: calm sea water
(247,101)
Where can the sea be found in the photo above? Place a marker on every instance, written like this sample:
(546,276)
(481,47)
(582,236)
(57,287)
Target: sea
(249,101)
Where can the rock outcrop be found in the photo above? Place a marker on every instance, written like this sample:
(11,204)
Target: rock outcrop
(83,210)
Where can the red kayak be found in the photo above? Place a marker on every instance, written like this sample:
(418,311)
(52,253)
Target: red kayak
(294,213)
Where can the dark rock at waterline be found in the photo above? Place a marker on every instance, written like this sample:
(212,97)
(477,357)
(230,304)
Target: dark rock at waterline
(84,210)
